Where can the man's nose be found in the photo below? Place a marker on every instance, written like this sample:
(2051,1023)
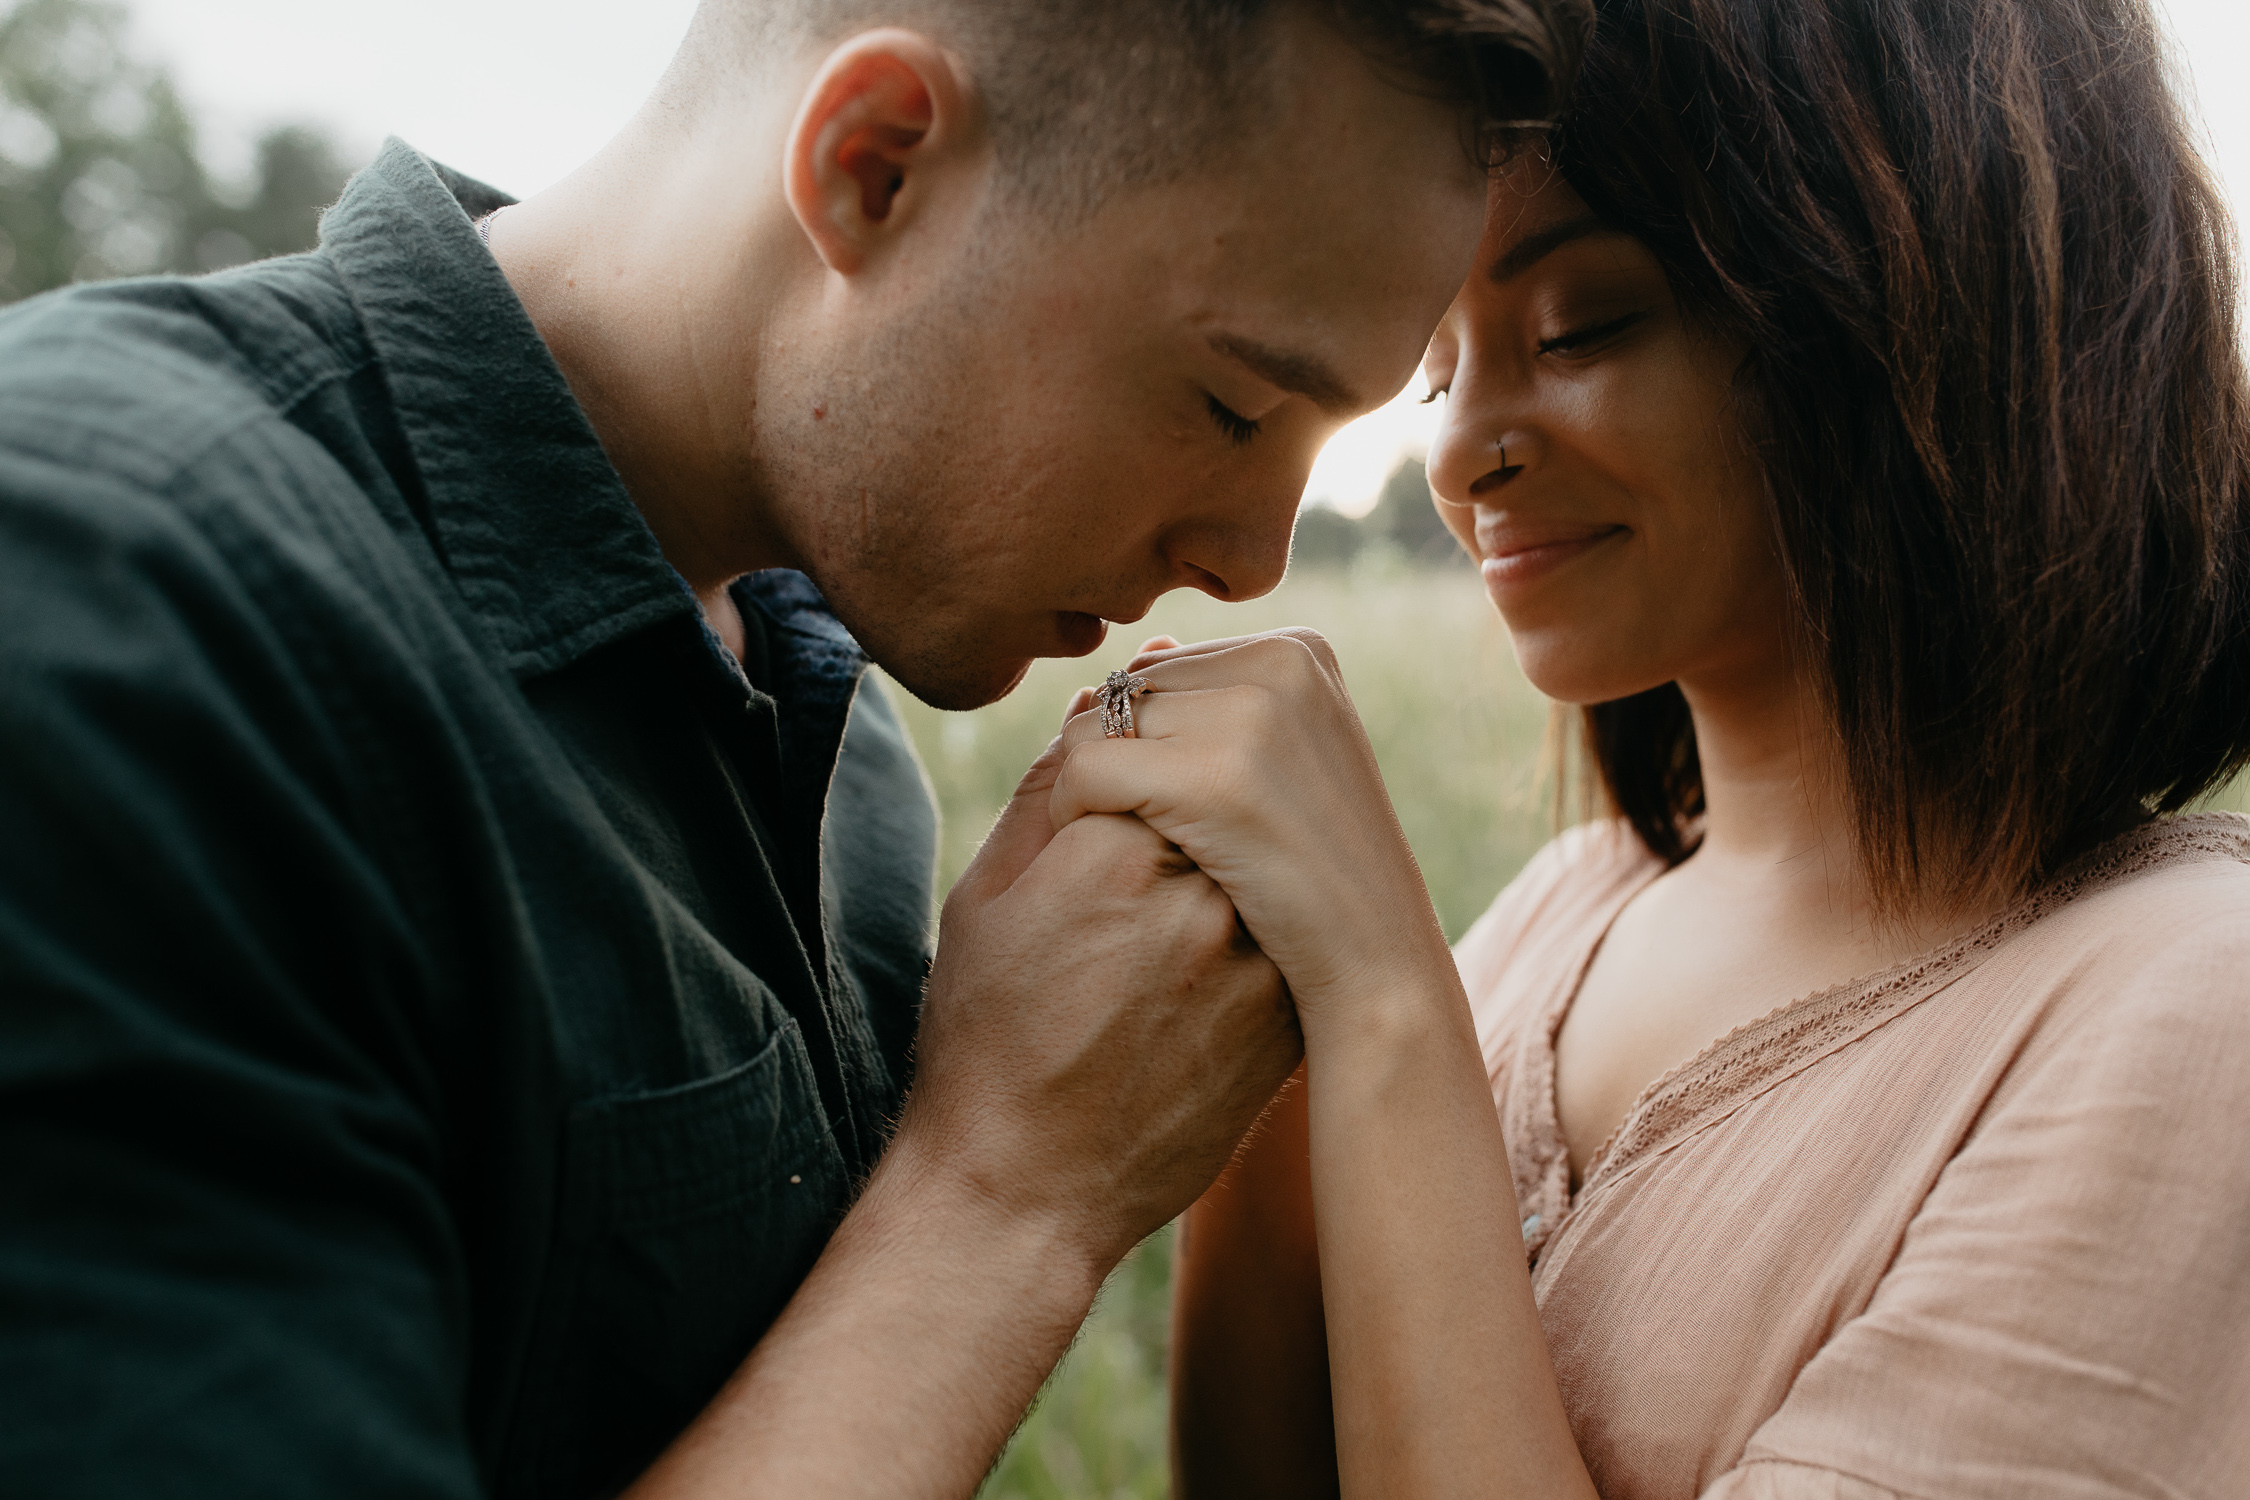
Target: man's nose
(1238,561)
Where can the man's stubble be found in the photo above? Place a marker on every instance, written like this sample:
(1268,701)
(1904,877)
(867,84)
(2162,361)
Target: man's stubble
(917,500)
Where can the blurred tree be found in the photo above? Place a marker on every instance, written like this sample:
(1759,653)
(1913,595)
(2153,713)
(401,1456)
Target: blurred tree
(1407,515)
(1325,538)
(99,171)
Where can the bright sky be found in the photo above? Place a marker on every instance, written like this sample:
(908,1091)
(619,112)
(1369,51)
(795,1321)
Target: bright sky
(519,91)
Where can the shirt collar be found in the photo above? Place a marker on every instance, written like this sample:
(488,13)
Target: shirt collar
(530,517)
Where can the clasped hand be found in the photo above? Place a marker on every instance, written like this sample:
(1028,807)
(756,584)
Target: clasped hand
(1250,759)
(1123,971)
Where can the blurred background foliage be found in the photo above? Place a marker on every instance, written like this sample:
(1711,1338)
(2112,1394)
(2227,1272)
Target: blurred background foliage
(100,174)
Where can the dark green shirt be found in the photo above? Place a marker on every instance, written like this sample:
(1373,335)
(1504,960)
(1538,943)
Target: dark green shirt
(434,1041)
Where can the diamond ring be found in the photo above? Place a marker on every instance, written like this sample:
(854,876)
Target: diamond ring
(1116,696)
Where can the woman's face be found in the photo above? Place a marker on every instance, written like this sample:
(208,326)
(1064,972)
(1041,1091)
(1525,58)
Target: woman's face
(1590,459)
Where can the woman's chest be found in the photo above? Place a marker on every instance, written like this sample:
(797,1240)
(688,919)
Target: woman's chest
(1679,970)
(1739,1219)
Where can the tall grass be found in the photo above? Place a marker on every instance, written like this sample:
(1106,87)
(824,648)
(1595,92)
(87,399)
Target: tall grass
(1459,734)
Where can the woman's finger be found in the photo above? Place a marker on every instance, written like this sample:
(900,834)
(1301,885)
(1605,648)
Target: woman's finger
(1312,640)
(1138,778)
(1080,702)
(1157,715)
(1281,659)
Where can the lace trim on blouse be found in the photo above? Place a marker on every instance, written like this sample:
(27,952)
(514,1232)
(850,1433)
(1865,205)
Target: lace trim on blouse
(1763,1051)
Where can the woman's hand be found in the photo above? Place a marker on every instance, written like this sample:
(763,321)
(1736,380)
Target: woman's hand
(1251,759)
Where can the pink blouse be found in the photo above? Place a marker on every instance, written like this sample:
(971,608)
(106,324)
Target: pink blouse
(1976,1226)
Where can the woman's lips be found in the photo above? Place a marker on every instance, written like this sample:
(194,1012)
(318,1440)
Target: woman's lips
(1517,560)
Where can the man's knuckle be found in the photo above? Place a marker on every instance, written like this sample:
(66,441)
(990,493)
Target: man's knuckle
(1222,929)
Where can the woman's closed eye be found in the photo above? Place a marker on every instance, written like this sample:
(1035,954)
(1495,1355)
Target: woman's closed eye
(1238,428)
(1589,336)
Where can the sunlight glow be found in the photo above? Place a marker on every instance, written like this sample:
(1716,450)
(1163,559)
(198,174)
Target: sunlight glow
(1349,474)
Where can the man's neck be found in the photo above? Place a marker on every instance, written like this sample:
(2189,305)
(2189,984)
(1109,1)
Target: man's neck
(608,266)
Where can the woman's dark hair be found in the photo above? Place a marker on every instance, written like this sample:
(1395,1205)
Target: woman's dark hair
(1987,290)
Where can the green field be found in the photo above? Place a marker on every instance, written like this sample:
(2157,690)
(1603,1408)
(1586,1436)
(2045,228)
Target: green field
(1460,735)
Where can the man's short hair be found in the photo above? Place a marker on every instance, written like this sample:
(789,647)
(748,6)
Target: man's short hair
(1087,97)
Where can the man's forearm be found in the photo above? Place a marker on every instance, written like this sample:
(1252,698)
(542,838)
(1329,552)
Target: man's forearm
(1095,1038)
(905,1359)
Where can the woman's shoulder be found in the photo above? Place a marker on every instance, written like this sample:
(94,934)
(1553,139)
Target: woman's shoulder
(1558,903)
(2157,920)
(2127,978)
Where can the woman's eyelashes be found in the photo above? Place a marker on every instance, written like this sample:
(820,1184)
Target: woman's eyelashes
(1238,428)
(1587,336)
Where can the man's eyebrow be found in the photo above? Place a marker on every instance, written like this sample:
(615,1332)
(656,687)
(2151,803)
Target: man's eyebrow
(1533,248)
(1300,374)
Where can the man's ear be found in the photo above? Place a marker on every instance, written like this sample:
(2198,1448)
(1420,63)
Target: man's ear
(883,115)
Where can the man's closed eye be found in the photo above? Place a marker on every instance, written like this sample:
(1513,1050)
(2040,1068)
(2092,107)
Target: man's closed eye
(1238,428)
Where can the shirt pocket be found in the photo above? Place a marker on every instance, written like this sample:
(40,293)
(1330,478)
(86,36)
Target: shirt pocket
(688,1217)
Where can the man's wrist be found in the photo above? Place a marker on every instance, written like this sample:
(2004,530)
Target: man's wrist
(927,1327)
(927,1194)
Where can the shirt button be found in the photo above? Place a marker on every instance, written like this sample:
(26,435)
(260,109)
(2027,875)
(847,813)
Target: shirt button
(795,1179)
(1531,1226)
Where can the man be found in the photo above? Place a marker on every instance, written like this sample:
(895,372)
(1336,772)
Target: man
(445,1049)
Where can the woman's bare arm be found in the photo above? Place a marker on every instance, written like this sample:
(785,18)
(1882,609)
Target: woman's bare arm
(1442,1382)
(1412,1287)
(1251,1418)
(1253,762)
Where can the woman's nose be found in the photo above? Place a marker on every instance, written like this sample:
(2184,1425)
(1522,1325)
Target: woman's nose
(1470,459)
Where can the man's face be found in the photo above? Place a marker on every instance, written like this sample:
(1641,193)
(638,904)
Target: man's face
(1050,428)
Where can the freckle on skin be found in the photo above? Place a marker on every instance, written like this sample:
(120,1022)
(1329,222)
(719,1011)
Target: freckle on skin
(820,414)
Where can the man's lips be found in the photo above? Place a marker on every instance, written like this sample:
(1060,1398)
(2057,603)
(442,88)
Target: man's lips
(1078,633)
(1516,554)
(1089,624)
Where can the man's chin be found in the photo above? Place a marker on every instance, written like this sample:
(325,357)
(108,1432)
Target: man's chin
(962,679)
(959,685)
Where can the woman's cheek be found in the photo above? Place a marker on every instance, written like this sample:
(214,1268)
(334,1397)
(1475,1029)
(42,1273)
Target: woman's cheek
(1461,521)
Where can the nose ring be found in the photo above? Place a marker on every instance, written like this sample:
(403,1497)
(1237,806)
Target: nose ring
(1458,504)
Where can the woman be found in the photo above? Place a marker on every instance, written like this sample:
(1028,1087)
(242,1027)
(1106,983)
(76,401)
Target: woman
(1846,409)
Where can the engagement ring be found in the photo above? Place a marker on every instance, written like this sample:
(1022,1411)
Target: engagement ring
(1117,695)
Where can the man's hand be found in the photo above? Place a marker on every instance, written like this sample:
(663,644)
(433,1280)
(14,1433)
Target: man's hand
(1098,1036)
